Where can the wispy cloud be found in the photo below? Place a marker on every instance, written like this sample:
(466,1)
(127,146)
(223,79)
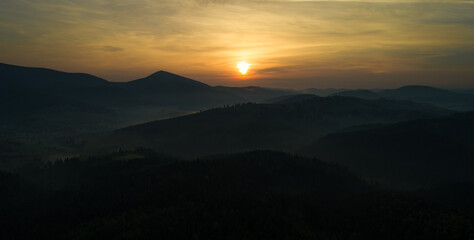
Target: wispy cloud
(282,39)
(111,49)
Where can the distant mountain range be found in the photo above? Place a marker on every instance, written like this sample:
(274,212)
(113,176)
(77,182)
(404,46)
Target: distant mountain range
(257,94)
(290,98)
(459,101)
(361,93)
(38,102)
(284,126)
(44,102)
(84,157)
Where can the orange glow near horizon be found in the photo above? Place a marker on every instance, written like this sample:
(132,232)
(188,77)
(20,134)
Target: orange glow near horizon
(290,44)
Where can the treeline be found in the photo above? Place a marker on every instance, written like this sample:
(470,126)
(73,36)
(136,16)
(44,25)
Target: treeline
(254,195)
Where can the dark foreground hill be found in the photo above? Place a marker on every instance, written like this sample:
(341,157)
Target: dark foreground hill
(413,153)
(259,126)
(254,195)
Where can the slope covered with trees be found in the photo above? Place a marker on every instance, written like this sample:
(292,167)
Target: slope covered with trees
(253,195)
(259,126)
(413,153)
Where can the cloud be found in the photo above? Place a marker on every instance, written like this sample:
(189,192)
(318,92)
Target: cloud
(111,49)
(207,37)
(461,57)
(273,70)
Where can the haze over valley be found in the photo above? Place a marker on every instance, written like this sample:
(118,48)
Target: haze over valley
(200,119)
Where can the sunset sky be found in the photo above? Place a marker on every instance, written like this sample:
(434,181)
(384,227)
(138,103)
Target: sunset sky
(291,44)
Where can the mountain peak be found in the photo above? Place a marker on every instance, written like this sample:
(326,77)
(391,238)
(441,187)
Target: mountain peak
(164,76)
(162,73)
(165,81)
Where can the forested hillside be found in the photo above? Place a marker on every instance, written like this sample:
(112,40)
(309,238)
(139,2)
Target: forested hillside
(253,195)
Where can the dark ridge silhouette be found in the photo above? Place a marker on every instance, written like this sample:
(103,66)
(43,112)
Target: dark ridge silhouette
(79,86)
(253,195)
(417,91)
(255,94)
(27,114)
(42,79)
(161,89)
(261,126)
(322,92)
(414,153)
(165,82)
(83,158)
(71,101)
(286,99)
(167,89)
(361,93)
(437,96)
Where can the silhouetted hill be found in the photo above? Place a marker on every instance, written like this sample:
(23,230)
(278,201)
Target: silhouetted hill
(161,89)
(322,92)
(361,93)
(28,114)
(414,153)
(167,89)
(40,102)
(414,91)
(255,94)
(165,82)
(253,195)
(437,96)
(45,80)
(261,126)
(286,99)
(37,103)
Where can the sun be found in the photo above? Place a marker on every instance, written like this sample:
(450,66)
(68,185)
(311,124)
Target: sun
(243,67)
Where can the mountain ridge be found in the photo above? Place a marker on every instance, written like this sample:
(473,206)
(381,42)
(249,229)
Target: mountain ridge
(260,126)
(418,152)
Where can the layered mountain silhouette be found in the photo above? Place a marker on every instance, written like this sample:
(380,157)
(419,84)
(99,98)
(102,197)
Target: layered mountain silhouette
(459,101)
(89,88)
(256,94)
(41,102)
(285,126)
(361,93)
(440,97)
(413,153)
(323,92)
(29,113)
(290,98)
(167,89)
(168,157)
